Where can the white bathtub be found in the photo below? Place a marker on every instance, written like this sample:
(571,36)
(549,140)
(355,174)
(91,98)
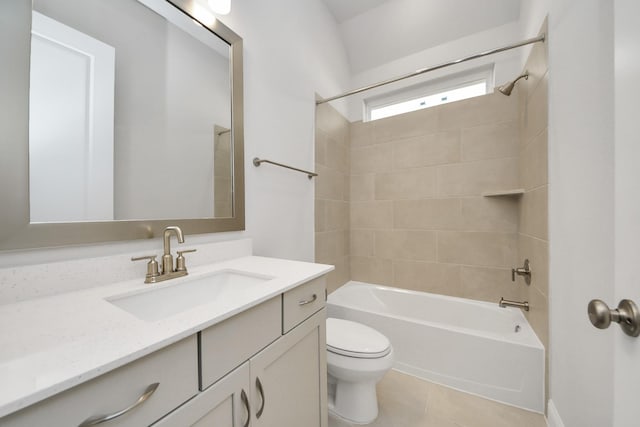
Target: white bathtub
(472,346)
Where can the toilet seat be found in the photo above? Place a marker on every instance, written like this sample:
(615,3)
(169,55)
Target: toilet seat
(355,340)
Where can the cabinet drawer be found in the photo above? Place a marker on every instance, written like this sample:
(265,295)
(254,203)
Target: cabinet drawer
(300,303)
(175,368)
(228,344)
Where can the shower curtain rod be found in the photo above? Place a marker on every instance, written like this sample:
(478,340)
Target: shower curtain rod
(540,38)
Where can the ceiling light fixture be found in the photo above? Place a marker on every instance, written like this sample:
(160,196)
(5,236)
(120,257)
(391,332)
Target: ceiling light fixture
(221,7)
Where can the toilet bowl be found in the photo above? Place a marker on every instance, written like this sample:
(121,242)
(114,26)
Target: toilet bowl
(357,358)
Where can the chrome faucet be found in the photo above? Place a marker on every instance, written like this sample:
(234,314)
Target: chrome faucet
(167,258)
(506,303)
(168,271)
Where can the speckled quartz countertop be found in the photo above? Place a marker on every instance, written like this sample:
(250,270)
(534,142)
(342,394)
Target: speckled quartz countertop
(48,345)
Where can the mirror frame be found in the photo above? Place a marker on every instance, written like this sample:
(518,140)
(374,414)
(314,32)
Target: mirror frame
(16,232)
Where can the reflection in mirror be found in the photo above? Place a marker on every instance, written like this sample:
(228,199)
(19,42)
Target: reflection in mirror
(130,111)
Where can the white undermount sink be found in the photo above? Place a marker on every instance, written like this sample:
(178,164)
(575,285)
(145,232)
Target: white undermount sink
(168,299)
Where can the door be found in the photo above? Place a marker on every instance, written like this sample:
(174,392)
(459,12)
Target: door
(627,206)
(288,378)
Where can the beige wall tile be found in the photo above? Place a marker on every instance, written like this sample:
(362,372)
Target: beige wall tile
(477,248)
(361,134)
(340,275)
(534,162)
(332,123)
(362,187)
(342,239)
(370,159)
(321,141)
(324,247)
(377,214)
(488,284)
(332,188)
(346,186)
(472,179)
(427,150)
(406,244)
(329,184)
(427,277)
(492,108)
(428,214)
(337,215)
(534,213)
(490,214)
(320,215)
(371,270)
(406,184)
(331,245)
(537,111)
(405,125)
(492,141)
(337,156)
(362,243)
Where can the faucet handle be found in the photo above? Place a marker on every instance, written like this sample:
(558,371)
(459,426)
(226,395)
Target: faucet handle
(180,260)
(152,267)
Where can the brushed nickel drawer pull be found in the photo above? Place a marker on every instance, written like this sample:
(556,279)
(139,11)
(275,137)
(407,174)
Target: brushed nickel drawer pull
(261,391)
(308,301)
(245,401)
(92,421)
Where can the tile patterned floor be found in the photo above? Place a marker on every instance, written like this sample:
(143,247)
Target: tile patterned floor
(406,401)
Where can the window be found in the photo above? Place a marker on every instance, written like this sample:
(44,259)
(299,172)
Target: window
(429,94)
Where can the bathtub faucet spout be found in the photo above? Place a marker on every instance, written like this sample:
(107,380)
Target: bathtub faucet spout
(506,303)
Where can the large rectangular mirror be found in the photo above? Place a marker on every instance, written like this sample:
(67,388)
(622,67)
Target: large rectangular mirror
(134,119)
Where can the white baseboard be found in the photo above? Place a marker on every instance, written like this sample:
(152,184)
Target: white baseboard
(553,417)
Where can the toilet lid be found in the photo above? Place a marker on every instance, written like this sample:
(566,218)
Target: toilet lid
(355,340)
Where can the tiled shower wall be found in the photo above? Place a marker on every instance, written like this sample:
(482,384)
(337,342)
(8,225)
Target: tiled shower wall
(332,194)
(400,201)
(533,237)
(419,219)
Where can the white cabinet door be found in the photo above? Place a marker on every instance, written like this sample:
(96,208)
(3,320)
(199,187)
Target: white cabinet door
(288,378)
(224,404)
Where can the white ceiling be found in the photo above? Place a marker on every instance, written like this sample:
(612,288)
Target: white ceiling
(379,31)
(347,9)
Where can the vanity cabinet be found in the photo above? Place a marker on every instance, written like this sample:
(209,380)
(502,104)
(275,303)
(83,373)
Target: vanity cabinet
(174,369)
(281,381)
(284,385)
(263,367)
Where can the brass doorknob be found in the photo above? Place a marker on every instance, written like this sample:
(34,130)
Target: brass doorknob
(627,315)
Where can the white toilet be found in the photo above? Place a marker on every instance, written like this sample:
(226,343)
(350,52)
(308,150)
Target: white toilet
(357,358)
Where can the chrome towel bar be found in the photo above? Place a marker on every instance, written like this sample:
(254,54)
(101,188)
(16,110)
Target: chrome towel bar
(257,162)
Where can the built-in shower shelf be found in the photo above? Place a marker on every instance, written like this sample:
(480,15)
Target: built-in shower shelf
(501,193)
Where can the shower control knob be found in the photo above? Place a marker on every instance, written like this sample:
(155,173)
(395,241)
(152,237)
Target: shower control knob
(627,315)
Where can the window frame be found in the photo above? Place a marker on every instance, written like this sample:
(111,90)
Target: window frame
(428,88)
